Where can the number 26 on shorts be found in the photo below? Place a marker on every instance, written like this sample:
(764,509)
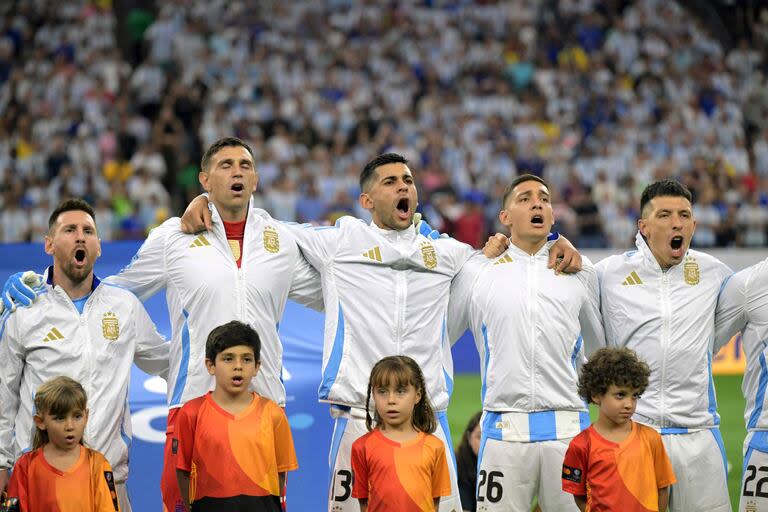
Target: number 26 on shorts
(489,486)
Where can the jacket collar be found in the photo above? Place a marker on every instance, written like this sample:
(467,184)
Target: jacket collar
(218,224)
(543,250)
(393,235)
(216,216)
(48,278)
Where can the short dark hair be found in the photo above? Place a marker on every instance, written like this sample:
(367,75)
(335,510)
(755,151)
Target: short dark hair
(369,170)
(232,334)
(663,188)
(618,366)
(520,179)
(214,148)
(69,205)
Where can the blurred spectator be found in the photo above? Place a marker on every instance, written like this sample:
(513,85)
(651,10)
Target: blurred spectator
(708,218)
(728,230)
(469,227)
(591,233)
(753,222)
(57,157)
(14,222)
(760,149)
(38,220)
(566,222)
(282,199)
(105,220)
(605,96)
(148,157)
(144,190)
(309,206)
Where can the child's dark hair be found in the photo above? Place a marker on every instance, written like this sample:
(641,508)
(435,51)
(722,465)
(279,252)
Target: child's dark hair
(230,335)
(57,397)
(401,370)
(618,366)
(466,459)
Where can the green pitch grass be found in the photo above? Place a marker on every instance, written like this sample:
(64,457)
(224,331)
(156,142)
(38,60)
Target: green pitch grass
(466,401)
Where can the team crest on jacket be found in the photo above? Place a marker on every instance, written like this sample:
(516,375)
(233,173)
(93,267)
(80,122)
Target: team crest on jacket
(429,255)
(110,328)
(691,271)
(271,240)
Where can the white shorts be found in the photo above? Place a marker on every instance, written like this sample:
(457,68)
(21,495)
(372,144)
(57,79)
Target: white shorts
(511,474)
(349,427)
(698,459)
(753,493)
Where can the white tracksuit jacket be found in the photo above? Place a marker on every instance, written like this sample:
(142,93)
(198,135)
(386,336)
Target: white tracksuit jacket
(204,289)
(386,293)
(532,329)
(668,318)
(743,306)
(96,348)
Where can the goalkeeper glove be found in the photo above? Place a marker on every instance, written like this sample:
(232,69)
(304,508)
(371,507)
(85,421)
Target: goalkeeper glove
(21,289)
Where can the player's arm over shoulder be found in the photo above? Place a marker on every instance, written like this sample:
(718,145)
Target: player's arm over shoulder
(611,264)
(318,244)
(146,274)
(151,352)
(756,292)
(590,317)
(456,253)
(588,273)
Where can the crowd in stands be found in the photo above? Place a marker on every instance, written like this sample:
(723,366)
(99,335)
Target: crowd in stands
(598,97)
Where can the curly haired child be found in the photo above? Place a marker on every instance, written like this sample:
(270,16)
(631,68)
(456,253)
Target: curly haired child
(617,464)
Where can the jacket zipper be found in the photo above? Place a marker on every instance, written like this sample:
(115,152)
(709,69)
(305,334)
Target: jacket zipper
(665,338)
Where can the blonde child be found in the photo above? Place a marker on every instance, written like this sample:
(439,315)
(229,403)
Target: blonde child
(60,473)
(617,464)
(399,465)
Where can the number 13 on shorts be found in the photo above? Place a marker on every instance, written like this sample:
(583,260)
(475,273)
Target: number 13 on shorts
(341,488)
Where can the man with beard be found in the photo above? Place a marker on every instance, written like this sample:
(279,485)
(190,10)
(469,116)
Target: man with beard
(244,267)
(84,329)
